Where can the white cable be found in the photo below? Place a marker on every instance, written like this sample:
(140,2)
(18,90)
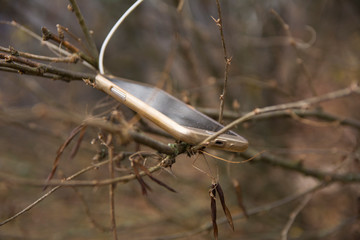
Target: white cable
(110,34)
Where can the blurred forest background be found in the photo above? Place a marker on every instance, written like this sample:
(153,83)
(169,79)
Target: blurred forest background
(182,48)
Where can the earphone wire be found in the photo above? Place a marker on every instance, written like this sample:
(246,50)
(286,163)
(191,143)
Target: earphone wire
(111,33)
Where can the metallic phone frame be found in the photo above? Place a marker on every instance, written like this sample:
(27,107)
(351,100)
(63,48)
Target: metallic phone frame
(186,134)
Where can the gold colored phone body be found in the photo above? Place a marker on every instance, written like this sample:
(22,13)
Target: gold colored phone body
(180,127)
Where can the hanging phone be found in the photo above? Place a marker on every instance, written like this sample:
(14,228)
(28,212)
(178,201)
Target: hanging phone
(169,113)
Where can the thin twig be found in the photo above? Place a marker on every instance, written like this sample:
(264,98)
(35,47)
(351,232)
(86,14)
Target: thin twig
(293,215)
(93,221)
(92,121)
(76,131)
(263,158)
(88,36)
(298,167)
(62,29)
(219,23)
(112,192)
(47,71)
(78,183)
(293,43)
(325,233)
(47,35)
(29,207)
(69,59)
(18,180)
(327,118)
(251,212)
(305,103)
(55,48)
(50,45)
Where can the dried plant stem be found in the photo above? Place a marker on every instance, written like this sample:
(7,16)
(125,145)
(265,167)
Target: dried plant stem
(219,23)
(88,36)
(293,43)
(29,207)
(93,221)
(47,35)
(327,118)
(79,183)
(302,104)
(91,121)
(112,192)
(69,59)
(293,215)
(327,177)
(297,167)
(17,180)
(251,212)
(26,66)
(50,45)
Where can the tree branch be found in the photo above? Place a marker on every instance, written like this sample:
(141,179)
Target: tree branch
(293,43)
(47,71)
(298,167)
(227,61)
(293,215)
(302,104)
(77,183)
(47,35)
(69,59)
(50,45)
(251,212)
(304,113)
(88,36)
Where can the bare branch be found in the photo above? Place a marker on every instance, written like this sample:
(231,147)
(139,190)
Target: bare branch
(303,113)
(78,183)
(227,61)
(50,45)
(298,167)
(91,121)
(305,103)
(29,207)
(44,70)
(112,189)
(254,211)
(47,35)
(69,59)
(293,215)
(88,36)
(293,43)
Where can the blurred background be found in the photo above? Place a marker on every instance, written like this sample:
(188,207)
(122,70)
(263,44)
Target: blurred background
(181,51)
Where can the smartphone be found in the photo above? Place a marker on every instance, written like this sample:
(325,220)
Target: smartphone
(177,118)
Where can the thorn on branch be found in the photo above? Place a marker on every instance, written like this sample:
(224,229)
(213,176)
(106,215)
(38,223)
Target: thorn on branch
(41,70)
(88,82)
(47,35)
(217,21)
(70,8)
(60,32)
(14,52)
(228,60)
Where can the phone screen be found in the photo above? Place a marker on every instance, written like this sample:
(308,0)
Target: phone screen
(170,106)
